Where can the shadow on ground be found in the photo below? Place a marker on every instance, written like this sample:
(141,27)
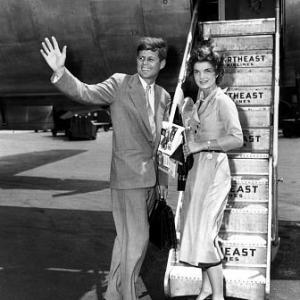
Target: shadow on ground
(286,265)
(53,254)
(48,254)
(11,166)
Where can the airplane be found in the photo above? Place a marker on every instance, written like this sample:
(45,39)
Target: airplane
(101,37)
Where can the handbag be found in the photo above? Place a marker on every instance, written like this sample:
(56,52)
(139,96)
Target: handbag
(162,231)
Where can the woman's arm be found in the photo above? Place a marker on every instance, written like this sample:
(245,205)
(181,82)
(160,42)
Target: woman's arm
(193,147)
(228,114)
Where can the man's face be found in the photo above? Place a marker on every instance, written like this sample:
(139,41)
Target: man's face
(149,65)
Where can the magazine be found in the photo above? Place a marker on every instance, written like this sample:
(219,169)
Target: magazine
(170,140)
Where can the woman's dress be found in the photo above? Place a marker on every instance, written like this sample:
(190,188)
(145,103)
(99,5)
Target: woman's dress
(209,180)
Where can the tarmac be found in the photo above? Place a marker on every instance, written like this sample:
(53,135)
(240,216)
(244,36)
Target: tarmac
(56,227)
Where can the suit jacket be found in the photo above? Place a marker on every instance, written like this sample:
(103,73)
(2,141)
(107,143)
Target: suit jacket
(134,151)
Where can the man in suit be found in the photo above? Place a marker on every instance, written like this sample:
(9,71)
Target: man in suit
(137,107)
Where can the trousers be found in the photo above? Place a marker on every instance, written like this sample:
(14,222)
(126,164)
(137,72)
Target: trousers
(130,208)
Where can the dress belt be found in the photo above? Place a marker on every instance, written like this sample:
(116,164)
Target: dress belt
(218,151)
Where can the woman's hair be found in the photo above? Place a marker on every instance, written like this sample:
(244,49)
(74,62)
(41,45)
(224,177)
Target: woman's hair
(205,52)
(153,44)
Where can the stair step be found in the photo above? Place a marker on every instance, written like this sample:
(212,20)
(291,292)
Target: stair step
(244,265)
(248,96)
(237,27)
(244,250)
(248,77)
(243,239)
(185,280)
(252,218)
(253,188)
(247,59)
(249,155)
(256,140)
(244,208)
(245,284)
(248,165)
(254,116)
(242,43)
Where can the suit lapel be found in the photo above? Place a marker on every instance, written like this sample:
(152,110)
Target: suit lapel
(138,98)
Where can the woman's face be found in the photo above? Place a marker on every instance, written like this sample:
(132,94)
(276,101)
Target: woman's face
(204,75)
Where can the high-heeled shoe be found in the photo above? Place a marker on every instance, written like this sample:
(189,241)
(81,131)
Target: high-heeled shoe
(207,297)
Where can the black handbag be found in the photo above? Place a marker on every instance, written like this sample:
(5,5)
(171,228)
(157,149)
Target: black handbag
(162,226)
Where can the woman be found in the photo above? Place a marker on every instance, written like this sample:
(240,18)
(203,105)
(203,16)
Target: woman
(213,128)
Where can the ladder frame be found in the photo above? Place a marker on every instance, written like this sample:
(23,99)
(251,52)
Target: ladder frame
(272,233)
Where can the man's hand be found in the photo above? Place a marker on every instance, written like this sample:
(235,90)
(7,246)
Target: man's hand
(53,56)
(163,191)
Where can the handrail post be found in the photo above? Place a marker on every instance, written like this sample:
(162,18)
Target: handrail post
(182,72)
(275,118)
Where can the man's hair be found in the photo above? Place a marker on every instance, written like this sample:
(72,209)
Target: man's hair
(205,52)
(153,44)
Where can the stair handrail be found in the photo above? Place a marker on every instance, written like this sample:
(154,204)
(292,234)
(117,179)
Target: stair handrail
(181,78)
(273,205)
(275,118)
(176,98)
(183,68)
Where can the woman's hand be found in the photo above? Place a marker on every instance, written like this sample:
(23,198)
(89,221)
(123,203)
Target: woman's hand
(191,147)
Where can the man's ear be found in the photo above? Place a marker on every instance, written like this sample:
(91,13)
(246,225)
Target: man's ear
(162,64)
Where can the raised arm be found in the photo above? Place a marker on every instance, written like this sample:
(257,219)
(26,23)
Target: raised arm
(53,56)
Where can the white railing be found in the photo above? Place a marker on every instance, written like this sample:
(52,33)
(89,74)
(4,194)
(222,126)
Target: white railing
(275,122)
(186,55)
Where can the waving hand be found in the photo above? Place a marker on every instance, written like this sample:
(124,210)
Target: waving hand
(52,54)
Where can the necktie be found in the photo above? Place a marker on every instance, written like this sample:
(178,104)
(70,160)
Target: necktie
(150,112)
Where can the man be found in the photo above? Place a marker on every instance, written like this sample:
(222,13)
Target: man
(137,107)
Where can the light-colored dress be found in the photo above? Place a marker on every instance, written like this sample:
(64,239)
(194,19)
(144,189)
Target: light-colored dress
(209,180)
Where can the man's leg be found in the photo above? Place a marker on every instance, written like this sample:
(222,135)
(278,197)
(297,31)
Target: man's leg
(133,238)
(113,291)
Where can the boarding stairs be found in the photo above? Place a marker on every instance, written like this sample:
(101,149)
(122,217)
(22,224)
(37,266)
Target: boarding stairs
(251,49)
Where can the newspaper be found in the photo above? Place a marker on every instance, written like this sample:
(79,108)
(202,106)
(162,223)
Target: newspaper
(170,139)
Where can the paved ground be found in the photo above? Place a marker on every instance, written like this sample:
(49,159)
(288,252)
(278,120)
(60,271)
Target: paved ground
(56,229)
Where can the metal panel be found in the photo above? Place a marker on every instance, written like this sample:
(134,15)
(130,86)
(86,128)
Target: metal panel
(247,59)
(237,27)
(256,140)
(244,166)
(101,38)
(248,188)
(185,280)
(243,42)
(254,116)
(244,249)
(247,96)
(245,284)
(245,220)
(247,77)
(244,254)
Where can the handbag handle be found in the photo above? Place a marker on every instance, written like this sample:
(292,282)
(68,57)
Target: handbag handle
(160,197)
